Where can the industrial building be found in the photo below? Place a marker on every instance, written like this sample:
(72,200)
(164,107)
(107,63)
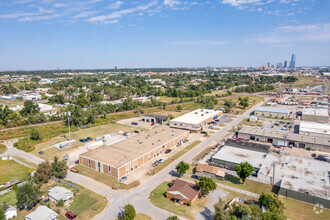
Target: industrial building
(196,120)
(299,178)
(154,118)
(315,114)
(311,135)
(124,157)
(272,112)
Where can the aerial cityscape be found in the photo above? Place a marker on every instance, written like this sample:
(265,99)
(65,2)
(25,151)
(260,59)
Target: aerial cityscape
(165,110)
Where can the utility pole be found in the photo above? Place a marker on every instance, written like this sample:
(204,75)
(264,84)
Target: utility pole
(68,114)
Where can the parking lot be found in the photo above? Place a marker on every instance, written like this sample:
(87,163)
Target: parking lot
(278,125)
(137,123)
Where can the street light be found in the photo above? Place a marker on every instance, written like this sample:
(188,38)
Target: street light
(68,114)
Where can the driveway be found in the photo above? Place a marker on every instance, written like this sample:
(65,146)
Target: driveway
(208,211)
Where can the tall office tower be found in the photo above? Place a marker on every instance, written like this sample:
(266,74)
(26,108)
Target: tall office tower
(285,64)
(268,65)
(293,61)
(280,65)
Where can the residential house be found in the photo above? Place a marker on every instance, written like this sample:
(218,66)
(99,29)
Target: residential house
(182,192)
(58,193)
(42,213)
(10,212)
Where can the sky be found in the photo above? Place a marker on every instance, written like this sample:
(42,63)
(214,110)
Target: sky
(95,34)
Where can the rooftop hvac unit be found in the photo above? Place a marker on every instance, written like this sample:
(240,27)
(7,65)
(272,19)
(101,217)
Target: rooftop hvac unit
(152,143)
(202,115)
(196,113)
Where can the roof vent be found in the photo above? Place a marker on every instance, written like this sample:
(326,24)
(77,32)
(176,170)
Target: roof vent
(202,115)
(152,143)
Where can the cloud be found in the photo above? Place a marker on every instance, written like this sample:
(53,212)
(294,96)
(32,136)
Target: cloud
(297,33)
(85,14)
(198,42)
(120,13)
(238,3)
(115,5)
(40,18)
(171,3)
(59,5)
(111,22)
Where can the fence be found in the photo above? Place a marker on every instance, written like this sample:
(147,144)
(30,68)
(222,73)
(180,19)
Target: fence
(254,195)
(65,183)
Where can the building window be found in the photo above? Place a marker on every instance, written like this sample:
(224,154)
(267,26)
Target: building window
(109,170)
(99,166)
(132,169)
(149,158)
(89,163)
(135,166)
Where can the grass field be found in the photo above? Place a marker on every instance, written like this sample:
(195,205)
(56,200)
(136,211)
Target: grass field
(174,157)
(11,170)
(253,100)
(250,123)
(9,198)
(2,148)
(298,210)
(303,81)
(249,185)
(185,106)
(157,198)
(141,216)
(103,178)
(50,152)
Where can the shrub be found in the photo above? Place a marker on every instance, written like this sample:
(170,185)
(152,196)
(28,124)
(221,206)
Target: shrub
(60,203)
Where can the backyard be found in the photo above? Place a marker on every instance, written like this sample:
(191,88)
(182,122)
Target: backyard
(157,198)
(11,170)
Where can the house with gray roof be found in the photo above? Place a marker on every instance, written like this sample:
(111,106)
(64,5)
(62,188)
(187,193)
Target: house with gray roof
(42,213)
(58,193)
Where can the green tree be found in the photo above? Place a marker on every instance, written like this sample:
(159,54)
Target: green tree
(179,108)
(43,95)
(182,167)
(206,185)
(44,171)
(60,203)
(58,168)
(273,204)
(244,170)
(129,213)
(3,208)
(28,194)
(219,212)
(29,108)
(244,102)
(229,103)
(173,218)
(35,134)
(240,211)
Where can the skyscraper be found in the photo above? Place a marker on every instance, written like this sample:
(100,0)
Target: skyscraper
(293,61)
(285,64)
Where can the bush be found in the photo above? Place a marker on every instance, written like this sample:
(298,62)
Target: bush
(35,134)
(60,203)
(165,194)
(189,203)
(129,213)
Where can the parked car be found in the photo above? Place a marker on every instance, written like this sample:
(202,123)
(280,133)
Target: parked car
(123,179)
(136,131)
(161,160)
(212,164)
(41,152)
(86,140)
(70,215)
(155,164)
(195,177)
(168,151)
(82,140)
(239,139)
(313,155)
(76,162)
(134,123)
(203,132)
(89,138)
(185,141)
(66,157)
(152,123)
(74,170)
(175,173)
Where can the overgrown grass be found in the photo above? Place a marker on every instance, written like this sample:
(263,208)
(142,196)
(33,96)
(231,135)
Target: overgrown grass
(174,157)
(103,178)
(11,170)
(9,198)
(202,154)
(82,202)
(157,198)
(2,148)
(141,216)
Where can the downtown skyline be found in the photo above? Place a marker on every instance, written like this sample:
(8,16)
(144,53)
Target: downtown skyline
(50,34)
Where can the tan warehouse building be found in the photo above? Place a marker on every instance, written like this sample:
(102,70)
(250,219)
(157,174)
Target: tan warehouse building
(196,120)
(122,158)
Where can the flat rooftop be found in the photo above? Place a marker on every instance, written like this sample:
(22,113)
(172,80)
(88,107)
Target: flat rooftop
(121,153)
(315,111)
(285,135)
(196,116)
(270,109)
(298,174)
(239,155)
(314,127)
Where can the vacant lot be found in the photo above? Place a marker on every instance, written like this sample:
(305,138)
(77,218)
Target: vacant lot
(11,170)
(303,81)
(103,178)
(50,152)
(237,109)
(2,148)
(158,199)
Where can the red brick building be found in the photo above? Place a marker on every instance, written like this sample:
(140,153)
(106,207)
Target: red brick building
(183,192)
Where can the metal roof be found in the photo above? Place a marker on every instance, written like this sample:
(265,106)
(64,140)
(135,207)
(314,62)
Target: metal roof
(275,110)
